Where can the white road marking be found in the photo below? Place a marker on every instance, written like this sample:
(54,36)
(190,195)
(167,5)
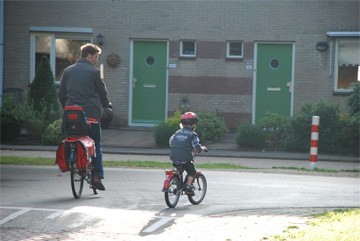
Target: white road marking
(157,225)
(14,215)
(55,215)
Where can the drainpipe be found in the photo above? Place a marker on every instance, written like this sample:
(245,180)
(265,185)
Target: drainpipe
(1,49)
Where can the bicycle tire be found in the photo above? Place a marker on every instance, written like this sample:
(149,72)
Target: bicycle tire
(172,195)
(77,180)
(200,188)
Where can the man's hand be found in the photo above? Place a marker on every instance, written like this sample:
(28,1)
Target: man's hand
(204,148)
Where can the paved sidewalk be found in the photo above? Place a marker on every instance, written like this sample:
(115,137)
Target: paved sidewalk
(139,144)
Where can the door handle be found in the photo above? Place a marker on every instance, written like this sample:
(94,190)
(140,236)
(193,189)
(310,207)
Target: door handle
(134,81)
(289,85)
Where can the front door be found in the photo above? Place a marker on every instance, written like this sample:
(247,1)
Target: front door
(148,83)
(273,79)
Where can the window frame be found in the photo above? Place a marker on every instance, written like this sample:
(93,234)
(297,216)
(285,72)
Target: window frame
(336,38)
(54,33)
(228,45)
(181,54)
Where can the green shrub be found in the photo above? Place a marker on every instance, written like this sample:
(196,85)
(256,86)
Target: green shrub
(10,127)
(350,134)
(274,128)
(162,132)
(33,121)
(353,101)
(211,127)
(299,129)
(249,135)
(53,133)
(43,92)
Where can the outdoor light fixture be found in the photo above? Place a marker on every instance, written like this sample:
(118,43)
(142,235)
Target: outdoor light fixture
(100,39)
(322,46)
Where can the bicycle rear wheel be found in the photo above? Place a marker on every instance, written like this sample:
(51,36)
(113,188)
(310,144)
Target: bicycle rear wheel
(77,180)
(200,188)
(172,195)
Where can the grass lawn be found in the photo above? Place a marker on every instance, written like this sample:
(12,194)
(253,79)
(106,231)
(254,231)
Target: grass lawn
(340,225)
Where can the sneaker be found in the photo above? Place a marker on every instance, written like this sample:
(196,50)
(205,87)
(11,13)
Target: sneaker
(189,191)
(96,183)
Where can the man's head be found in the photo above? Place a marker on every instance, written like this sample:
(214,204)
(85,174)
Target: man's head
(90,52)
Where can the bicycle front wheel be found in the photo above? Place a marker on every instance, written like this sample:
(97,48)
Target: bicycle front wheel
(77,180)
(172,195)
(200,187)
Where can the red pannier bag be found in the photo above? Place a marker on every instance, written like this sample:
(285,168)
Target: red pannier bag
(85,147)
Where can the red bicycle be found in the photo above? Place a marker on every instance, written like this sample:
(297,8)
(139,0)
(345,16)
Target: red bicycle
(174,186)
(75,152)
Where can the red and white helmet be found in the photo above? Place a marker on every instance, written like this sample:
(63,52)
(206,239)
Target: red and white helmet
(189,118)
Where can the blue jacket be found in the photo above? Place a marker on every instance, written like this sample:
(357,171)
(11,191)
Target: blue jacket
(183,144)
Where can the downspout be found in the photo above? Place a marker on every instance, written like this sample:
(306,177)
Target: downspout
(1,49)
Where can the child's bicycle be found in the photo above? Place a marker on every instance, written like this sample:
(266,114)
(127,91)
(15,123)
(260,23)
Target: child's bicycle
(174,186)
(75,152)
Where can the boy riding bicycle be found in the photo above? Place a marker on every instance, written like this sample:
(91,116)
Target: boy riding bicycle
(184,144)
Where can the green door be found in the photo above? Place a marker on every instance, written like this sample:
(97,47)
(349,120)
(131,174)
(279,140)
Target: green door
(274,71)
(149,78)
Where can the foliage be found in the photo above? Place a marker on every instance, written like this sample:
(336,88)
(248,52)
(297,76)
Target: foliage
(350,133)
(43,92)
(299,128)
(353,101)
(249,135)
(211,127)
(274,128)
(33,121)
(53,133)
(10,127)
(162,132)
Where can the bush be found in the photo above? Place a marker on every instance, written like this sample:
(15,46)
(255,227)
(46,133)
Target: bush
(249,135)
(10,127)
(43,92)
(353,101)
(299,128)
(33,121)
(211,127)
(274,128)
(350,134)
(53,133)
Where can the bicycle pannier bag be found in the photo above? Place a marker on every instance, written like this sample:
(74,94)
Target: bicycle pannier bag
(74,121)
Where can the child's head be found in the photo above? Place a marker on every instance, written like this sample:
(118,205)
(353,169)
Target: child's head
(189,118)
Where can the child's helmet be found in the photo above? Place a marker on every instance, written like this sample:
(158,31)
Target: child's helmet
(189,118)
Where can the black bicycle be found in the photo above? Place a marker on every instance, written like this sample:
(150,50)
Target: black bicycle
(174,186)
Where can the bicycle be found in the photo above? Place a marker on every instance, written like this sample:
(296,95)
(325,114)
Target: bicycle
(174,186)
(75,153)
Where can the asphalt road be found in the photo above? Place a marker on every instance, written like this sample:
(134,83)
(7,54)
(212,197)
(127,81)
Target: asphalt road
(37,204)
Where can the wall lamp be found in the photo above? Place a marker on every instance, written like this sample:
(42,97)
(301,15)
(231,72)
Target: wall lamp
(100,39)
(322,46)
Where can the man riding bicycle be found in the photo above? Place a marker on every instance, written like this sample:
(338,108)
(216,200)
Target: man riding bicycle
(184,144)
(81,85)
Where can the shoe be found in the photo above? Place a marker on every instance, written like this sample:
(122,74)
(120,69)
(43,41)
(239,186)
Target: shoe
(96,183)
(189,191)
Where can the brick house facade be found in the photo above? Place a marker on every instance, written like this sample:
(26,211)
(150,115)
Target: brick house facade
(210,80)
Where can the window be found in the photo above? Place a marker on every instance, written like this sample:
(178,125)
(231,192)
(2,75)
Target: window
(188,48)
(234,50)
(347,61)
(62,50)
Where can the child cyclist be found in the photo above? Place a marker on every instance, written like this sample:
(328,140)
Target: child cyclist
(184,144)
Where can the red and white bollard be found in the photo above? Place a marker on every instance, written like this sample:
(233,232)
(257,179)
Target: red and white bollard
(314,142)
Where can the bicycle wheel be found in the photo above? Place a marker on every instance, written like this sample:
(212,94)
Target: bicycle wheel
(200,187)
(77,180)
(172,195)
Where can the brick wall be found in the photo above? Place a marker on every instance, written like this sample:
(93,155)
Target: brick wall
(220,84)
